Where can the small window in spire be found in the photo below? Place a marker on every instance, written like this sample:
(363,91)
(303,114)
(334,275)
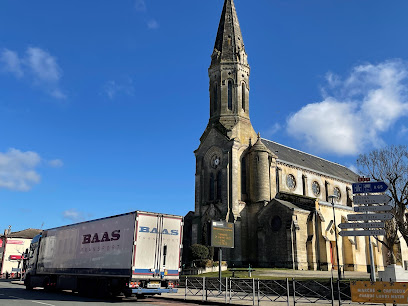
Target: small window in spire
(229,94)
(243,176)
(243,96)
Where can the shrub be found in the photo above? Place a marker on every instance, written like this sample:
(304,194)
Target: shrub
(199,251)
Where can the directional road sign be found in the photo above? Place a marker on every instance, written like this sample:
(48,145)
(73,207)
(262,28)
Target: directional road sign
(366,217)
(362,225)
(380,232)
(371,199)
(369,187)
(372,208)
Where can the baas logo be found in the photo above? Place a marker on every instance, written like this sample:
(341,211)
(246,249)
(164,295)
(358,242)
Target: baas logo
(146,229)
(115,235)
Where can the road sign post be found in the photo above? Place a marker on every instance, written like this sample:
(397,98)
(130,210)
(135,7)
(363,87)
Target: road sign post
(366,225)
(372,208)
(364,187)
(371,187)
(371,199)
(378,232)
(367,217)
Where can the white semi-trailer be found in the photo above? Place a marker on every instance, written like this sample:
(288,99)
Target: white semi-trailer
(134,253)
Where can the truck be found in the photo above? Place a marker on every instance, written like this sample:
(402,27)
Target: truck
(135,254)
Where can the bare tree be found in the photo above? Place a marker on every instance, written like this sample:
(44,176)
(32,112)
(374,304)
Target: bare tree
(390,165)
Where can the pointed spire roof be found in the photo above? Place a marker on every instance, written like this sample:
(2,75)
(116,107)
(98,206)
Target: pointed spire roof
(229,43)
(259,146)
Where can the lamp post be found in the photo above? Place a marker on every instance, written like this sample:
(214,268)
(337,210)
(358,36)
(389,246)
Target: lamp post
(332,197)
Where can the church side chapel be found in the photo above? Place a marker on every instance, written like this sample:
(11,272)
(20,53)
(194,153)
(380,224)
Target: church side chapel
(278,198)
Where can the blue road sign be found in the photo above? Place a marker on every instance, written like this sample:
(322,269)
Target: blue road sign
(369,187)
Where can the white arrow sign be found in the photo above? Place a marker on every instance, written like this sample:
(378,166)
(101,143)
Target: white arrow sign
(362,225)
(380,232)
(371,199)
(366,217)
(372,208)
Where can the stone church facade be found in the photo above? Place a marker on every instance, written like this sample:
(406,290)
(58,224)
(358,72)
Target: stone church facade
(277,197)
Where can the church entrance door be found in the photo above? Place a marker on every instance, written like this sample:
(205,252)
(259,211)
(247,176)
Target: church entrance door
(332,257)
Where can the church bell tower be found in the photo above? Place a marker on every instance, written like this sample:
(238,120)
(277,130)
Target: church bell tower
(229,79)
(220,178)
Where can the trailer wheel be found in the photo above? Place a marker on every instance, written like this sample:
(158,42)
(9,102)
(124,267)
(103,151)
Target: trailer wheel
(49,284)
(27,283)
(103,288)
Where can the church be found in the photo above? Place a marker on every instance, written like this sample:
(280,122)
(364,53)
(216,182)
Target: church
(280,199)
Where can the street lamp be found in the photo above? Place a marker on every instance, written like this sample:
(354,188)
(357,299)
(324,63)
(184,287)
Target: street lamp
(332,197)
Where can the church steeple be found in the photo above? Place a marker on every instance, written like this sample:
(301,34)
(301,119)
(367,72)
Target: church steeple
(229,79)
(229,40)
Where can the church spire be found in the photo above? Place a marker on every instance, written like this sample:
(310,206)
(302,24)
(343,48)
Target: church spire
(229,80)
(229,45)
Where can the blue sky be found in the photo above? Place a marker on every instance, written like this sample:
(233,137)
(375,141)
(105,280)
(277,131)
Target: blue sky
(102,103)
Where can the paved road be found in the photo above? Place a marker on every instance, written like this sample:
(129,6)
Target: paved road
(16,295)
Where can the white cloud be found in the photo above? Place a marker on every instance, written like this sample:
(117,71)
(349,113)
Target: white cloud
(11,62)
(403,131)
(73,215)
(17,170)
(152,24)
(43,65)
(56,163)
(112,88)
(357,111)
(353,168)
(56,93)
(37,64)
(272,130)
(140,5)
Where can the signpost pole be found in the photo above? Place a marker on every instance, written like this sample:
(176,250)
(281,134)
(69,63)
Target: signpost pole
(219,265)
(370,249)
(335,236)
(372,267)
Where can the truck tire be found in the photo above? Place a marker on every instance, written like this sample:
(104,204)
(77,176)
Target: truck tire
(27,283)
(46,284)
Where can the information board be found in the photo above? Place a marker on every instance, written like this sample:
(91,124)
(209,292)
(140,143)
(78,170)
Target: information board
(222,234)
(379,292)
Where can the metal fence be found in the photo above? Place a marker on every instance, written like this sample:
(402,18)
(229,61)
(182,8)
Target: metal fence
(256,291)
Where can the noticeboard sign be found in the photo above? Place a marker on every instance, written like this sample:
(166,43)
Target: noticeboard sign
(222,234)
(379,292)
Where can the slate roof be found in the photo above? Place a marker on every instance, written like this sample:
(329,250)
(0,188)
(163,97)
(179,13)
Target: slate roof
(28,233)
(311,162)
(289,205)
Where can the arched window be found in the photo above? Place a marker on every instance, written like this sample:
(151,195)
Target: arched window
(212,187)
(243,96)
(219,184)
(229,94)
(243,176)
(215,93)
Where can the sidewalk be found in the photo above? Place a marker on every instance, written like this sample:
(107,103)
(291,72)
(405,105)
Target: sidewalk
(315,274)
